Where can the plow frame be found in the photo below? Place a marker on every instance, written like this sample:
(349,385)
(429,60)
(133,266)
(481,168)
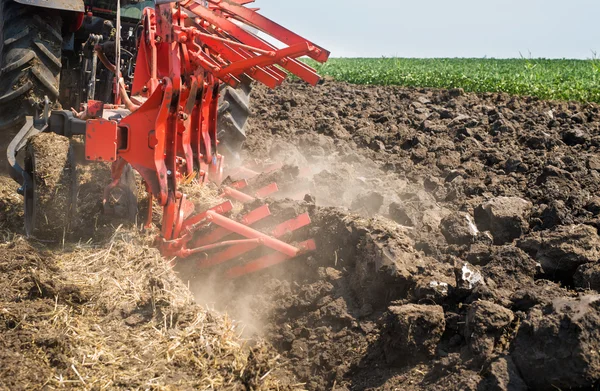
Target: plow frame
(187,50)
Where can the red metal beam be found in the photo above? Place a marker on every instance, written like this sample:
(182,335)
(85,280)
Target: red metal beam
(267,190)
(267,261)
(237,195)
(233,252)
(301,70)
(238,67)
(225,207)
(219,233)
(250,233)
(269,27)
(261,74)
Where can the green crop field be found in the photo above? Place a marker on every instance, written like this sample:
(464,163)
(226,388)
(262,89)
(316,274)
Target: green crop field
(547,79)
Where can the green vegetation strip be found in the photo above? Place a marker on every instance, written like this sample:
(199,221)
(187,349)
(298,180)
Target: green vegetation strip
(577,80)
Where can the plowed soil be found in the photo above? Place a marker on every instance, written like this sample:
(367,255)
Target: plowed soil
(457,249)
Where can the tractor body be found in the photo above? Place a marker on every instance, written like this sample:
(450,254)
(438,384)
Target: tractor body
(47,49)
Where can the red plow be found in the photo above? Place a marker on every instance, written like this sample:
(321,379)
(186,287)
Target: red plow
(164,125)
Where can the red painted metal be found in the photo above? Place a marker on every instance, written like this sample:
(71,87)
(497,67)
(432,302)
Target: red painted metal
(267,190)
(269,27)
(95,108)
(223,208)
(251,218)
(77,22)
(291,225)
(239,185)
(171,132)
(214,246)
(248,232)
(236,32)
(237,195)
(236,251)
(107,133)
(267,261)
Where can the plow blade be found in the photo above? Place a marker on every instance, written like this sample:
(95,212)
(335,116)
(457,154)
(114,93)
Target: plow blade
(240,249)
(266,261)
(221,233)
(214,239)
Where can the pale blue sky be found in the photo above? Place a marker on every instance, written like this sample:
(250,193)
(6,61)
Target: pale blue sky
(444,28)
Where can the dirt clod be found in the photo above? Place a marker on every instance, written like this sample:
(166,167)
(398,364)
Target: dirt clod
(459,228)
(413,333)
(505,217)
(486,324)
(563,249)
(521,170)
(503,375)
(556,345)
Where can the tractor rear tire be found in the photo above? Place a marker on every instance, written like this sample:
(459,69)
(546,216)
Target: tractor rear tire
(234,111)
(30,60)
(50,201)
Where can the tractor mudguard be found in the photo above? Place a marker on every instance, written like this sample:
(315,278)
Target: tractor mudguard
(63,5)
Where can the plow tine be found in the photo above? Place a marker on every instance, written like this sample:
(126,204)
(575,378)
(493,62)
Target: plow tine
(256,215)
(237,195)
(240,242)
(226,255)
(250,233)
(266,261)
(238,250)
(239,34)
(231,192)
(225,207)
(267,190)
(239,185)
(291,225)
(251,218)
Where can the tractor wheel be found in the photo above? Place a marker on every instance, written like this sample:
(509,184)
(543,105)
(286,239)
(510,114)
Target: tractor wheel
(234,110)
(50,199)
(30,60)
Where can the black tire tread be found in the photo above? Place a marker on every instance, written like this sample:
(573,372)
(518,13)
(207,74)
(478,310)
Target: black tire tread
(30,60)
(234,111)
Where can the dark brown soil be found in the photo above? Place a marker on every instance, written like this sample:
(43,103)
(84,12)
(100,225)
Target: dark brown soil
(448,262)
(457,241)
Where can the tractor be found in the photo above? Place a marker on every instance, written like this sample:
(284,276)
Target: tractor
(47,50)
(158,88)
